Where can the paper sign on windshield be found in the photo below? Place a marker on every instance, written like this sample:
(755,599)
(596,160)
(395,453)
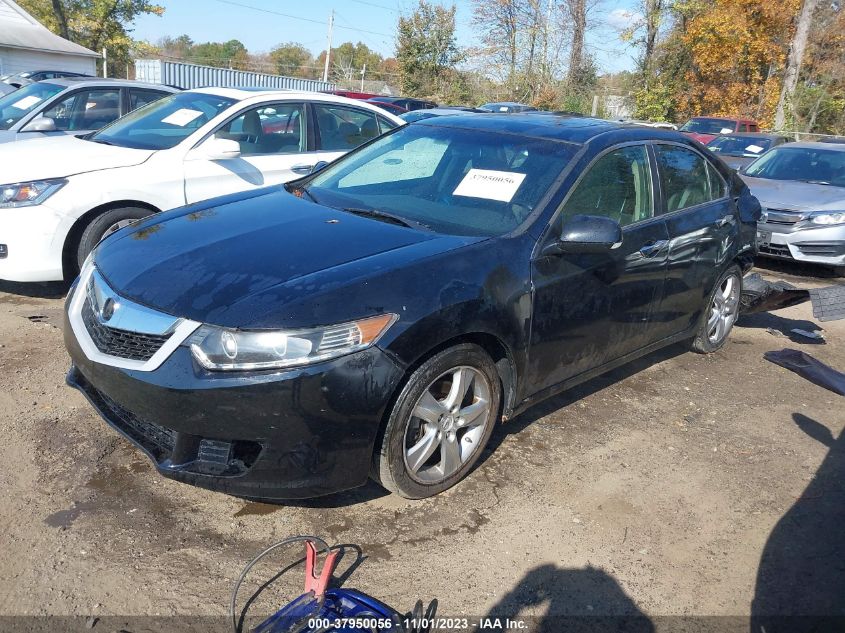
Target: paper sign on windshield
(26,102)
(755,149)
(182,117)
(489,184)
(726,130)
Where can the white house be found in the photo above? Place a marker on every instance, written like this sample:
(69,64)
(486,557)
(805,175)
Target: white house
(25,44)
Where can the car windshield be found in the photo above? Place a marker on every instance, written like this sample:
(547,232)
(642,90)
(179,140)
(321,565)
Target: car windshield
(164,123)
(450,180)
(16,105)
(808,164)
(708,126)
(739,145)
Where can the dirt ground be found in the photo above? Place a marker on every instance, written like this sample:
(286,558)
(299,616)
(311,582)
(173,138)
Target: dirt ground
(661,489)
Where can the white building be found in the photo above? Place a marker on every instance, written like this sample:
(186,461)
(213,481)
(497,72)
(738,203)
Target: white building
(27,45)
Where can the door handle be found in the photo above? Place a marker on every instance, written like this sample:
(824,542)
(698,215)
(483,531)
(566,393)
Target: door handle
(302,169)
(650,250)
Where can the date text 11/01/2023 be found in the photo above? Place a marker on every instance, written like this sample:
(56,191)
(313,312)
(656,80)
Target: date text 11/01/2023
(421,624)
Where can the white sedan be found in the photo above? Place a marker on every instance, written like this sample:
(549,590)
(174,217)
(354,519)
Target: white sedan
(60,196)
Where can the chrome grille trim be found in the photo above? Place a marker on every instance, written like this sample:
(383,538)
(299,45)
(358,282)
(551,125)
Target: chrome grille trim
(135,319)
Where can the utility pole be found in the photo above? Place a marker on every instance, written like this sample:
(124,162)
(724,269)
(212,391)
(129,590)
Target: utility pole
(363,71)
(329,47)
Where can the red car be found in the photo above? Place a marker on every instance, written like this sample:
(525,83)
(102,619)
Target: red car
(705,128)
(351,94)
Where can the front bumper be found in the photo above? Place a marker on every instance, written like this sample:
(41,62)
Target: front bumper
(284,435)
(29,235)
(823,245)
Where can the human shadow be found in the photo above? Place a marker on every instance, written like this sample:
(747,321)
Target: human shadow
(576,600)
(801,577)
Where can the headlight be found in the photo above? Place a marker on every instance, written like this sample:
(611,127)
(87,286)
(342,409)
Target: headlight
(224,349)
(27,194)
(827,217)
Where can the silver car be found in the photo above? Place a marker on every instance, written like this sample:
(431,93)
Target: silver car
(801,187)
(71,106)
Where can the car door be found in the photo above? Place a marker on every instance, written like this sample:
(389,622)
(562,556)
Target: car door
(701,221)
(341,128)
(274,143)
(592,308)
(81,111)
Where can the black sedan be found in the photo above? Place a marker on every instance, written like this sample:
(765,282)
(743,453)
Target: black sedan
(380,316)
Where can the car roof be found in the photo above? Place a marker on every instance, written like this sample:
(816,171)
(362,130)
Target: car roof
(86,82)
(836,147)
(754,135)
(572,129)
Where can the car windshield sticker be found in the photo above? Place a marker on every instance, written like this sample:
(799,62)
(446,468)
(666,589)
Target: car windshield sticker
(492,185)
(182,117)
(725,130)
(756,149)
(26,102)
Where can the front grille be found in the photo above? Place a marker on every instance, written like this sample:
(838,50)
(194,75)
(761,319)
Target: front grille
(120,343)
(776,250)
(782,217)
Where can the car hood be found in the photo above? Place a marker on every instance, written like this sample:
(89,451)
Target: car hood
(796,195)
(8,136)
(237,261)
(735,162)
(62,156)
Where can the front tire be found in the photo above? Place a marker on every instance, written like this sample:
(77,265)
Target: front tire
(720,313)
(104,225)
(440,423)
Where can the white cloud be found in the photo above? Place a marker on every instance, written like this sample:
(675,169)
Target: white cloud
(624,18)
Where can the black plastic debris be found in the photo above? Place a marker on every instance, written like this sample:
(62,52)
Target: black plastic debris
(828,303)
(759,295)
(810,368)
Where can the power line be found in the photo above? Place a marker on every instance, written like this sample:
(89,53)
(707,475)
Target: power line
(296,17)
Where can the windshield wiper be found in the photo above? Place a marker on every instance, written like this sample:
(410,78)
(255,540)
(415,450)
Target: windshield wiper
(98,140)
(377,214)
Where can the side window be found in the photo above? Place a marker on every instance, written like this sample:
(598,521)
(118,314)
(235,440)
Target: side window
(278,128)
(617,186)
(385,125)
(688,179)
(742,127)
(138,98)
(85,110)
(341,128)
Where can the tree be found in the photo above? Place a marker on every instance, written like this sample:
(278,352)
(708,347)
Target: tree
(231,54)
(292,59)
(426,48)
(95,24)
(794,60)
(577,11)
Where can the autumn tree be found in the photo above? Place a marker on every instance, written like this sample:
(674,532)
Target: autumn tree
(794,61)
(426,48)
(95,24)
(292,60)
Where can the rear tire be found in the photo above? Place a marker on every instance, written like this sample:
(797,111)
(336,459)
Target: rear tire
(839,271)
(439,424)
(720,313)
(104,225)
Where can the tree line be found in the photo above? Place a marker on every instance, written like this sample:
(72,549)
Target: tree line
(781,62)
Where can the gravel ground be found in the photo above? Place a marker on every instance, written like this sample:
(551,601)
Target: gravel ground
(661,489)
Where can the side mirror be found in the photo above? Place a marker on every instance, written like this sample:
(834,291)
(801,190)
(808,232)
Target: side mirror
(320,164)
(40,124)
(741,169)
(220,149)
(586,234)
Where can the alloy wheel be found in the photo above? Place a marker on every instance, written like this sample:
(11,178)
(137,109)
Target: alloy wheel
(447,424)
(723,310)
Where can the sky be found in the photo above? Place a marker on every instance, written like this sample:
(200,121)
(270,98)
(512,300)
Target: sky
(261,24)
